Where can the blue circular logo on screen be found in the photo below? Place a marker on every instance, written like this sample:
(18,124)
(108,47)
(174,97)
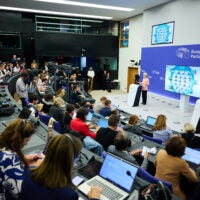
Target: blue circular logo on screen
(182,80)
(162,33)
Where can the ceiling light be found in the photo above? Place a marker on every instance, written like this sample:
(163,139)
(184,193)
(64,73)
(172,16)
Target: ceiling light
(91,5)
(52,12)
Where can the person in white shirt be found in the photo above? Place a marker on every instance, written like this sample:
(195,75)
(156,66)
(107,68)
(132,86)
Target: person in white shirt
(90,75)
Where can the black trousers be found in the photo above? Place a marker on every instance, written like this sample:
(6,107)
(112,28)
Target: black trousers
(23,102)
(144,96)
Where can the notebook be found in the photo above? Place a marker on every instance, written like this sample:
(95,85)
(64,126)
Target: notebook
(103,123)
(89,116)
(192,156)
(149,123)
(116,178)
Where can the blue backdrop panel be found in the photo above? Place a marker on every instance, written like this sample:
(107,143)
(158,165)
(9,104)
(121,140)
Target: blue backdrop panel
(155,59)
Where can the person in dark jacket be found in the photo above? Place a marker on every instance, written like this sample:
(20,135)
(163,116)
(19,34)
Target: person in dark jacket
(106,136)
(56,111)
(47,102)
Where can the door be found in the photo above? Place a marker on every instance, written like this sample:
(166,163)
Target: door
(132,71)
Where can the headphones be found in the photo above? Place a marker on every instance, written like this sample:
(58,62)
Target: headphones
(73,145)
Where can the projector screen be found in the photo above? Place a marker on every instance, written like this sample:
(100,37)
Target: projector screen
(162,33)
(183,79)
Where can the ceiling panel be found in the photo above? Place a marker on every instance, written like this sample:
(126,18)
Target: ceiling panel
(138,5)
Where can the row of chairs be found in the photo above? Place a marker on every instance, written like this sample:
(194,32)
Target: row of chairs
(45,119)
(151,179)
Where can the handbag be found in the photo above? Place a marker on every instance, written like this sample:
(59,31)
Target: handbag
(156,192)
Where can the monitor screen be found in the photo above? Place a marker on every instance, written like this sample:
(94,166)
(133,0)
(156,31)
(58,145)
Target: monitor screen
(183,80)
(192,156)
(151,121)
(119,172)
(162,33)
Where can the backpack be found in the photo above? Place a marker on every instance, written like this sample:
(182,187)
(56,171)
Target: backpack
(6,111)
(156,192)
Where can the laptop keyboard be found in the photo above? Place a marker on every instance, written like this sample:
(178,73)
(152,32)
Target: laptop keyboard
(146,127)
(106,190)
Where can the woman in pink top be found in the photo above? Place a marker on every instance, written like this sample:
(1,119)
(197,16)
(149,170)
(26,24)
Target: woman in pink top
(145,84)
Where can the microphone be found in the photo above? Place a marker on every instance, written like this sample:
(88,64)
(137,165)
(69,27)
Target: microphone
(129,174)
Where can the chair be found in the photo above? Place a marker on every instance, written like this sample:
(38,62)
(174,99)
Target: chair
(152,139)
(44,118)
(27,101)
(57,126)
(148,177)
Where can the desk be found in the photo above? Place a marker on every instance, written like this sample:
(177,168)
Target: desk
(115,84)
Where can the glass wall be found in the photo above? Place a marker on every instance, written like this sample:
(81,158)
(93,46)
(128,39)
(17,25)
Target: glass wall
(75,25)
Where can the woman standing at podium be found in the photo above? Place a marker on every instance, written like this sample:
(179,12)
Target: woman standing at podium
(145,84)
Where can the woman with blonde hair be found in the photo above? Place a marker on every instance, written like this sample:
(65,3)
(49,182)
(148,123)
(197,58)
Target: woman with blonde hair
(12,161)
(160,129)
(189,136)
(132,125)
(52,180)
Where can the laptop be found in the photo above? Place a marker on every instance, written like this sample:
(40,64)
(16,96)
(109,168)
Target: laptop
(192,156)
(149,123)
(103,123)
(89,116)
(116,178)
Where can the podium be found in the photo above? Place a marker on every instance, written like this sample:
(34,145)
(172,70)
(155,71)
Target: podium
(134,95)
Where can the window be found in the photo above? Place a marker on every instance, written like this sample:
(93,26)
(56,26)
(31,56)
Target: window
(124,34)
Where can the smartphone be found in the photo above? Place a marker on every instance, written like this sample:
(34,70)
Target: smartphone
(77,180)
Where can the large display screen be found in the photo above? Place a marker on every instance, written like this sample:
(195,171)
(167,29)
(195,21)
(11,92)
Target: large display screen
(162,33)
(183,79)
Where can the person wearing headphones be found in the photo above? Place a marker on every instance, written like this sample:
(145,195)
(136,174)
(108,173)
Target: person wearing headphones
(52,180)
(120,148)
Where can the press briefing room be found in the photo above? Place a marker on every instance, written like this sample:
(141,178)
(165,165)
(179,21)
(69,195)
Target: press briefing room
(99,100)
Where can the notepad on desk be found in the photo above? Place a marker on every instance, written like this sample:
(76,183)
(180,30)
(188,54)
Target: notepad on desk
(152,150)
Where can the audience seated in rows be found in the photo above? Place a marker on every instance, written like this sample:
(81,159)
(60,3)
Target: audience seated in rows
(47,102)
(120,148)
(53,178)
(171,167)
(12,161)
(106,110)
(189,137)
(57,112)
(78,124)
(132,125)
(160,129)
(106,136)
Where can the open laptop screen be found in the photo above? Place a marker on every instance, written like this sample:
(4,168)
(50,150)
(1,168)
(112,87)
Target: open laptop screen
(151,121)
(119,172)
(192,156)
(89,116)
(103,123)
